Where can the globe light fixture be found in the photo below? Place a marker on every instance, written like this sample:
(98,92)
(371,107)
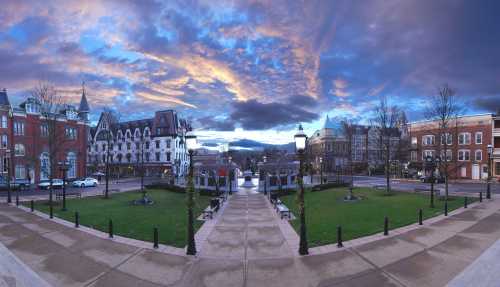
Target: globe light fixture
(300,140)
(191,142)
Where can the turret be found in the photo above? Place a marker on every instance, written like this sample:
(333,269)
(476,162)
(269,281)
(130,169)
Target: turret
(4,99)
(83,110)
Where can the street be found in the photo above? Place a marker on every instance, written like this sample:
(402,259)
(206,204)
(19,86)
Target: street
(122,185)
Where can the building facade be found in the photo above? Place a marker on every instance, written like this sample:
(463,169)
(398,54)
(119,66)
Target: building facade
(155,145)
(25,150)
(335,146)
(464,144)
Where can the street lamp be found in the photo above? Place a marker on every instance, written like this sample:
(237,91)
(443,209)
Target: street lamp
(321,169)
(264,159)
(9,195)
(488,182)
(191,145)
(230,161)
(64,166)
(429,166)
(300,146)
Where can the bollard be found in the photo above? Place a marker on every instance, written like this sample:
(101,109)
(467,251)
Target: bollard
(480,196)
(339,237)
(110,228)
(386,226)
(420,217)
(17,198)
(32,205)
(155,237)
(446,208)
(77,219)
(465,202)
(51,211)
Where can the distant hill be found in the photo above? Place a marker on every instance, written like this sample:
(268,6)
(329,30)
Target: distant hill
(256,145)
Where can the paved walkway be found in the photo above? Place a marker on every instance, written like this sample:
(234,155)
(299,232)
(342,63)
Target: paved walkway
(245,246)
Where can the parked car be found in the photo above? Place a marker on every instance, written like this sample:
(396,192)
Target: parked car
(56,183)
(17,183)
(427,179)
(85,182)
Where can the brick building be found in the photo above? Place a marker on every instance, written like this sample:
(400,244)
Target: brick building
(24,135)
(465,143)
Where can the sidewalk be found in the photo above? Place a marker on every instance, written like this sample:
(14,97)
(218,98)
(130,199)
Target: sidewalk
(246,247)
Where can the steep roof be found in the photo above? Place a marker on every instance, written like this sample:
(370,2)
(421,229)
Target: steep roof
(4,99)
(84,105)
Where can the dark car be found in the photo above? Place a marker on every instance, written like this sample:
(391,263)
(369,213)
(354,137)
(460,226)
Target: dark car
(427,179)
(17,183)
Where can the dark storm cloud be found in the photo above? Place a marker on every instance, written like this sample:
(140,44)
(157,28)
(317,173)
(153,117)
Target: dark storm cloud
(489,104)
(209,123)
(302,101)
(253,115)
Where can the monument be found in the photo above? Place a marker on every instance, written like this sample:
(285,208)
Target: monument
(247,175)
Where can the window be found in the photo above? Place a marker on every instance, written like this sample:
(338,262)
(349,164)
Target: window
(5,141)
(119,146)
(168,143)
(44,166)
(147,156)
(428,140)
(414,140)
(157,156)
(497,167)
(4,121)
(20,171)
(464,138)
(448,138)
(104,158)
(147,145)
(19,149)
(71,158)
(168,156)
(479,138)
(449,155)
(96,148)
(128,146)
(44,130)
(478,155)
(413,155)
(427,153)
(137,146)
(18,128)
(157,143)
(463,155)
(70,133)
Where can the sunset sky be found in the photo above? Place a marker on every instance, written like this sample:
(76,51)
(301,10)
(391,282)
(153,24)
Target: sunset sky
(253,69)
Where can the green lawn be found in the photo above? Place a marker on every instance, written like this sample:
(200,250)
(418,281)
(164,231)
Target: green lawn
(168,213)
(325,210)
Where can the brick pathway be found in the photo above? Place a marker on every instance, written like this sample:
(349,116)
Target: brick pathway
(246,247)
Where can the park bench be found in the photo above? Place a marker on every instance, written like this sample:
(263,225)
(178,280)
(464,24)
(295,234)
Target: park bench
(283,210)
(437,191)
(209,212)
(72,193)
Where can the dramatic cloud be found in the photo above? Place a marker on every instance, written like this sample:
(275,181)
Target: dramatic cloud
(253,115)
(255,64)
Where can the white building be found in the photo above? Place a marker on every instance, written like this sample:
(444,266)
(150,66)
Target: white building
(156,144)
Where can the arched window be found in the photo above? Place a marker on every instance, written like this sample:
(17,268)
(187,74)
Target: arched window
(44,166)
(137,134)
(71,158)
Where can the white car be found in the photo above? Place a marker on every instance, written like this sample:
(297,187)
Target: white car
(85,182)
(56,183)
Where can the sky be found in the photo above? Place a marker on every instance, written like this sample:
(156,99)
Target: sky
(253,69)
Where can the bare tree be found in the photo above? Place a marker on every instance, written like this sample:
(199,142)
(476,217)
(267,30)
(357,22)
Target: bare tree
(109,129)
(349,128)
(51,106)
(444,109)
(385,126)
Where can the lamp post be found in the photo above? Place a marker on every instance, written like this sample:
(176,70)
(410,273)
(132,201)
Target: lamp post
(9,195)
(300,146)
(429,165)
(488,180)
(264,159)
(231,174)
(191,146)
(64,166)
(321,169)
